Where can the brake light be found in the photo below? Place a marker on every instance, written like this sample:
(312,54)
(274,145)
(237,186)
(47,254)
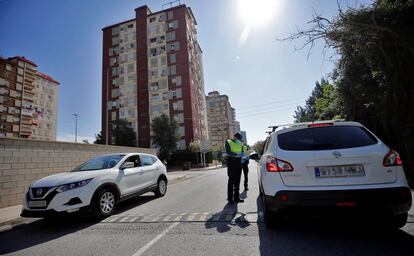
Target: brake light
(392,158)
(274,164)
(320,124)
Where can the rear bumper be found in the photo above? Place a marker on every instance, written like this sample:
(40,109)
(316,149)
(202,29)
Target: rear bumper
(393,201)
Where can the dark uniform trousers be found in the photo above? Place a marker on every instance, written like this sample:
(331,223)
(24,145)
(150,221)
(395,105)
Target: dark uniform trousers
(246,174)
(234,172)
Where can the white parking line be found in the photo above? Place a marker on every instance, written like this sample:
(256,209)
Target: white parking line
(153,241)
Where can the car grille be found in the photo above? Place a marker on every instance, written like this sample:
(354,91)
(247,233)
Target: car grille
(38,193)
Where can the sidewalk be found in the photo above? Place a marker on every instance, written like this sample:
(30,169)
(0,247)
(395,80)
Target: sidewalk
(8,214)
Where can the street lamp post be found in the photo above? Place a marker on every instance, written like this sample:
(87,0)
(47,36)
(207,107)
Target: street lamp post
(76,127)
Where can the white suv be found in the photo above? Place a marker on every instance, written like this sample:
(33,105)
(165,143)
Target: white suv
(331,165)
(96,186)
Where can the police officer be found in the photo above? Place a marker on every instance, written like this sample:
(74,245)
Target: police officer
(245,167)
(234,150)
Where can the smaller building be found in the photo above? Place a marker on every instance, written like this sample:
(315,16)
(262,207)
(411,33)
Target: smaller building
(244,135)
(28,100)
(221,119)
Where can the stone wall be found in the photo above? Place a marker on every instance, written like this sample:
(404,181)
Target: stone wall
(23,161)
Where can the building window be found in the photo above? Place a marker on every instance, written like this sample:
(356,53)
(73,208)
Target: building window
(152,19)
(130,25)
(170,25)
(170,36)
(154,86)
(8,67)
(173,70)
(153,40)
(173,58)
(154,62)
(170,15)
(153,52)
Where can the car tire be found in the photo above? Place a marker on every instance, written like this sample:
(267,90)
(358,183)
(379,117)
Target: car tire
(399,221)
(161,189)
(271,219)
(104,203)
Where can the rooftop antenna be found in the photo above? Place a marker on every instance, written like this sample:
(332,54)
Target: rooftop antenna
(171,4)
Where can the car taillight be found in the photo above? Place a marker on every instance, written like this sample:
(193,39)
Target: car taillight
(274,164)
(392,158)
(320,124)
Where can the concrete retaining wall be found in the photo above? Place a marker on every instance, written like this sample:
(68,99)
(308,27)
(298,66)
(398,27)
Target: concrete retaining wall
(23,161)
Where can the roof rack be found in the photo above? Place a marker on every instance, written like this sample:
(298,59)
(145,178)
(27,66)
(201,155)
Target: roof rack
(274,127)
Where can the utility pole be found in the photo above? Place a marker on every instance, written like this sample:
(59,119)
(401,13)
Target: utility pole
(76,127)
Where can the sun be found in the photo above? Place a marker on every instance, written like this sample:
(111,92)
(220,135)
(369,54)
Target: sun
(257,12)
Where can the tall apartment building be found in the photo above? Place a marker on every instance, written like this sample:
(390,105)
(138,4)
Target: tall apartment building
(220,118)
(28,101)
(152,65)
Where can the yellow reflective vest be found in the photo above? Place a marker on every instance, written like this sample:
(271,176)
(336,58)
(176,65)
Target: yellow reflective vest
(236,148)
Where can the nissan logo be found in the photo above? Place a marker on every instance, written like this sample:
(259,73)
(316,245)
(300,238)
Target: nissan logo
(336,154)
(39,192)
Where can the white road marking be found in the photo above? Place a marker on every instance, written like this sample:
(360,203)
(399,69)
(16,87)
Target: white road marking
(153,241)
(192,216)
(123,219)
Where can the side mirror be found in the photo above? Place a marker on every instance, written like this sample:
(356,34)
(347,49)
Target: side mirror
(254,156)
(127,165)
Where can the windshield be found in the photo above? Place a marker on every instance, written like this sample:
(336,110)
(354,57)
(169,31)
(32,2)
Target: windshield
(325,138)
(99,163)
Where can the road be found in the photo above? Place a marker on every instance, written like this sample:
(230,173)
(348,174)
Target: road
(194,219)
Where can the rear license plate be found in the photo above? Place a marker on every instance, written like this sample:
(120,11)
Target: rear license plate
(37,203)
(339,171)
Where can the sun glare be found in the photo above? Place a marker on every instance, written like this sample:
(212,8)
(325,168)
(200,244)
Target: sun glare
(257,12)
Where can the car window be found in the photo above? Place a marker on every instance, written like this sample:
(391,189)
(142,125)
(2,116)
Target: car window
(147,160)
(99,163)
(324,138)
(266,145)
(134,159)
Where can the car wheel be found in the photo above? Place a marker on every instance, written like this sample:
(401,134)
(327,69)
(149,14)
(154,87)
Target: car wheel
(161,189)
(272,219)
(104,203)
(399,221)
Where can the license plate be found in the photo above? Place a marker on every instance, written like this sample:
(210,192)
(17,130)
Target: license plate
(339,171)
(37,203)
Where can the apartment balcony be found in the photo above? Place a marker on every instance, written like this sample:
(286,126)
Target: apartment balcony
(27,121)
(25,130)
(27,112)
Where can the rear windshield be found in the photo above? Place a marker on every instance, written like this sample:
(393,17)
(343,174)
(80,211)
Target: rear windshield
(324,138)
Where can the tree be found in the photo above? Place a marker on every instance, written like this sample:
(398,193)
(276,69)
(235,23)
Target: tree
(258,146)
(195,146)
(165,135)
(323,104)
(375,45)
(99,139)
(124,134)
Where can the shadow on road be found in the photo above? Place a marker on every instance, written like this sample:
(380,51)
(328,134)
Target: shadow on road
(44,230)
(333,236)
(225,219)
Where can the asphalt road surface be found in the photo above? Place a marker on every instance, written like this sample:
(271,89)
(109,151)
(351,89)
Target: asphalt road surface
(194,219)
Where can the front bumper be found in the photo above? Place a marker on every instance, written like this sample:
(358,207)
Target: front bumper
(52,213)
(392,201)
(59,203)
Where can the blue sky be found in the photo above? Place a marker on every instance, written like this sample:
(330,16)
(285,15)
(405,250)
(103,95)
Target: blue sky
(265,79)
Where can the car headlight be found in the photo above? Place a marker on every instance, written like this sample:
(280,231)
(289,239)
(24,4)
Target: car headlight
(73,185)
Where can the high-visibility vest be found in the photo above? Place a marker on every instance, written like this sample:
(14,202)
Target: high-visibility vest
(236,148)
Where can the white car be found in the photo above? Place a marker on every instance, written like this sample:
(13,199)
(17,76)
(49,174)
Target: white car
(96,186)
(331,165)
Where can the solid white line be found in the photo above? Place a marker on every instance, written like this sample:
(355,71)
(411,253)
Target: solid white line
(153,241)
